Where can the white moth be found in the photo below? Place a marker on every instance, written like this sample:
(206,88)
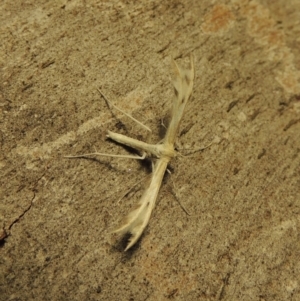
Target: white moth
(137,220)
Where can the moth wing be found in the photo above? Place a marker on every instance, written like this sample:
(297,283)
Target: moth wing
(183,82)
(137,220)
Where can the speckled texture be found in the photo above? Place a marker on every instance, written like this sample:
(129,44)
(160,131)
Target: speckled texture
(241,239)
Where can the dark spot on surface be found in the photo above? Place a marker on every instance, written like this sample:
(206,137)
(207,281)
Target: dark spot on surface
(283,103)
(261,154)
(255,114)
(229,85)
(120,125)
(187,79)
(250,97)
(176,92)
(26,87)
(292,122)
(172,293)
(235,171)
(232,105)
(98,290)
(47,63)
(185,130)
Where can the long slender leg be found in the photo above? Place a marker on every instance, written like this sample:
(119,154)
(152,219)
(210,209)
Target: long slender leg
(109,155)
(126,114)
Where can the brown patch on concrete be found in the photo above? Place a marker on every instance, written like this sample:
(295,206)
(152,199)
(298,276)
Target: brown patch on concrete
(219,19)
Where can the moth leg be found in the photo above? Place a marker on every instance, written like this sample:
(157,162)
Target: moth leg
(216,140)
(109,155)
(129,190)
(177,197)
(110,104)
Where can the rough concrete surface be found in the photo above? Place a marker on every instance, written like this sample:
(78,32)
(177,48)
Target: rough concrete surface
(241,238)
